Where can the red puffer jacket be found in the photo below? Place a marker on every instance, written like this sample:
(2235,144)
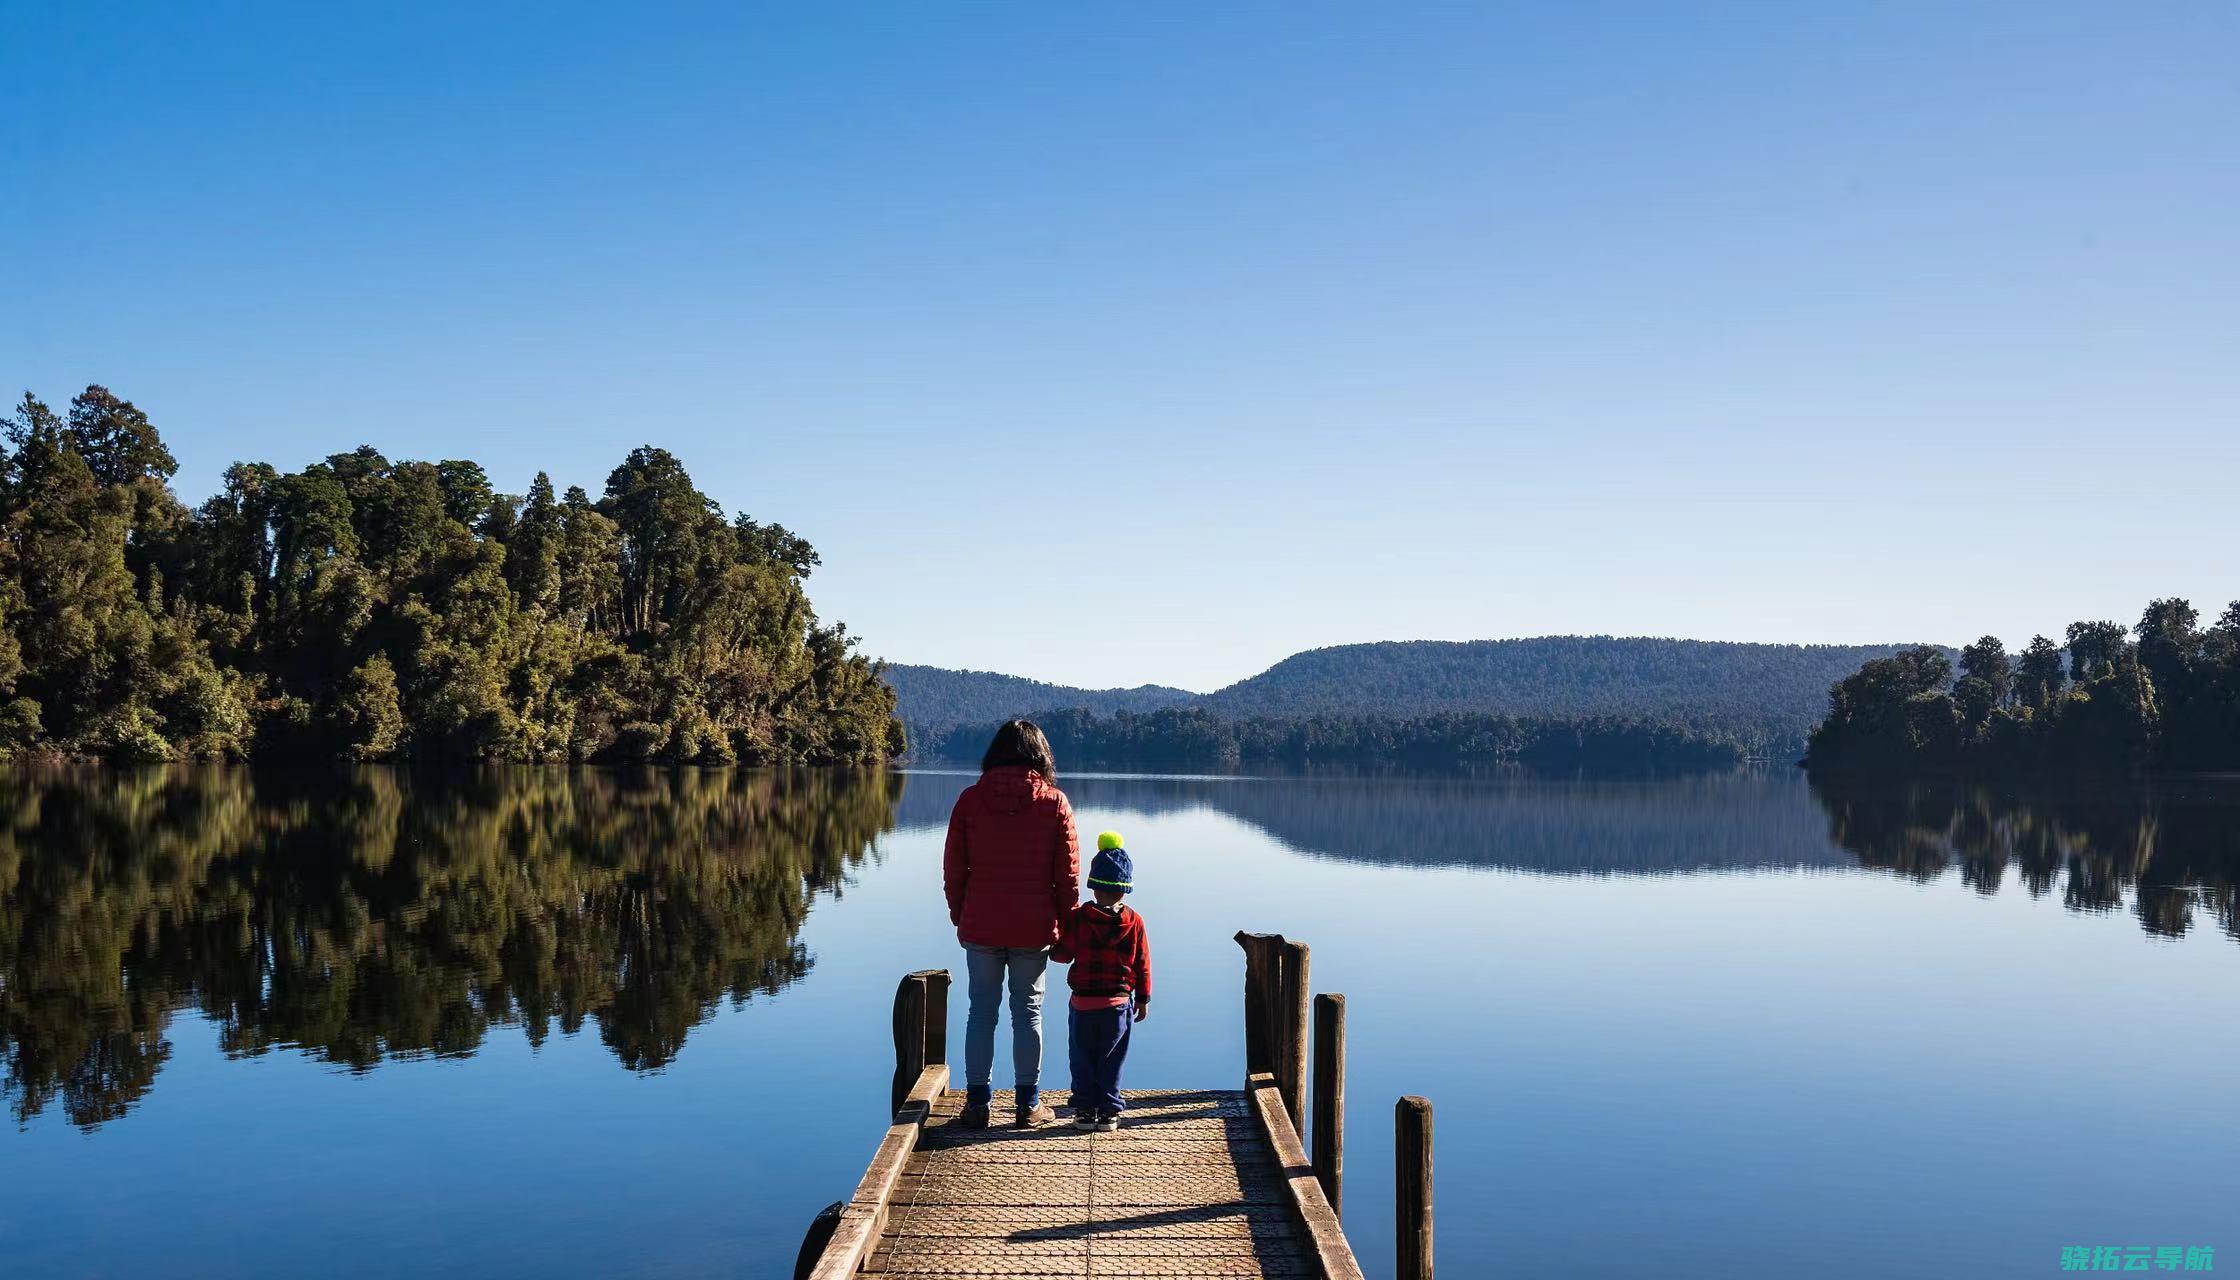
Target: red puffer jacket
(1012,868)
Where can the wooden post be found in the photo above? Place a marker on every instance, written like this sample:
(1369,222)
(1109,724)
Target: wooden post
(909,1038)
(1411,1158)
(1292,1021)
(1262,965)
(1275,1016)
(1330,1095)
(937,1015)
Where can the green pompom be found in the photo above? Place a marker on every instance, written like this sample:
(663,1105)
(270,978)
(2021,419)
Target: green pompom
(1109,840)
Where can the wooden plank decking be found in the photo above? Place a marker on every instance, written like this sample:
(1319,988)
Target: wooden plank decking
(1188,1186)
(1195,1182)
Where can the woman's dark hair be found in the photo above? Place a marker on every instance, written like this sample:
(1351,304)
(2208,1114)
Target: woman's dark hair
(1020,742)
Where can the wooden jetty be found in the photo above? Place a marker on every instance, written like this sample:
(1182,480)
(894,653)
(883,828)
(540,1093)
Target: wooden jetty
(1196,1182)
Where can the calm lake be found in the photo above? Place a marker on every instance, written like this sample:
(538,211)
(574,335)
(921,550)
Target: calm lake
(596,1023)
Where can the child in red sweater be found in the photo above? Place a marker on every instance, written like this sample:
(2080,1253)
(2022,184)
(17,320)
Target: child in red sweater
(1110,953)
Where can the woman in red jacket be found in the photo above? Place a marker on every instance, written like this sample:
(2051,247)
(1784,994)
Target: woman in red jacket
(1012,870)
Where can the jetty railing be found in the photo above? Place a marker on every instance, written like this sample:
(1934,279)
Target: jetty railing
(850,1229)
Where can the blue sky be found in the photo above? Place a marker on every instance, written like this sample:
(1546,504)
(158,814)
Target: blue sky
(1123,343)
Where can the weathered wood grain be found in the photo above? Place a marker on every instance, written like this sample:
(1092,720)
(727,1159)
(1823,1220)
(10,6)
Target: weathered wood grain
(909,1036)
(1317,1222)
(1411,1161)
(1190,1185)
(1330,1098)
(865,1217)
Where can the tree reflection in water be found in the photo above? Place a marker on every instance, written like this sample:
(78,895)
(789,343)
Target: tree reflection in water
(2169,852)
(2174,853)
(372,915)
(375,914)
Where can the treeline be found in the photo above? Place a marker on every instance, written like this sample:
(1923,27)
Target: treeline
(1193,739)
(2164,695)
(363,915)
(367,609)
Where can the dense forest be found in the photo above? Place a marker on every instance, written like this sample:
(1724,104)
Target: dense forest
(385,914)
(1191,738)
(367,609)
(2164,695)
(934,702)
(1557,701)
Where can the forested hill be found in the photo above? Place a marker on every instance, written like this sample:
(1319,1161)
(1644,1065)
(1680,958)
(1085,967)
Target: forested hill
(1704,682)
(365,608)
(1762,698)
(934,700)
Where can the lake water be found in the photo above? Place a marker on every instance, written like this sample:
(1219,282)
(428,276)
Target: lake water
(589,1023)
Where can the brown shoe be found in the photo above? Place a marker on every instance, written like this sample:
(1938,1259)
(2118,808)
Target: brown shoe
(1037,1118)
(975,1115)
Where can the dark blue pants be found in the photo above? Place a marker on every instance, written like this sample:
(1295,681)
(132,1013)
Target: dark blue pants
(1097,1041)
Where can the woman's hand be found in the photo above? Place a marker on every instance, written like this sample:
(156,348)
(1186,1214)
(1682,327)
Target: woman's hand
(1143,1010)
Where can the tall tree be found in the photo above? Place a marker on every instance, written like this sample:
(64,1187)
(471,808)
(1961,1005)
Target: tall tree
(2038,674)
(118,443)
(467,495)
(1987,660)
(590,587)
(662,520)
(533,552)
(2169,642)
(2095,649)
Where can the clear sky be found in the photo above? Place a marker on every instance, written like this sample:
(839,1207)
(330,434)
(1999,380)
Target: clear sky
(1113,343)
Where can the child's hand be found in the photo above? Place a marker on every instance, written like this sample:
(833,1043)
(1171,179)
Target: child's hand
(1143,1010)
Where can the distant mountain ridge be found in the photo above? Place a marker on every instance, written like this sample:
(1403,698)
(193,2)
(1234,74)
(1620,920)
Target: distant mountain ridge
(1765,696)
(933,700)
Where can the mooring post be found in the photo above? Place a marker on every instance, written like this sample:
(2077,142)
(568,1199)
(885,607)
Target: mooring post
(1292,1019)
(1411,1157)
(1330,1095)
(1276,1018)
(937,1015)
(1262,963)
(909,1038)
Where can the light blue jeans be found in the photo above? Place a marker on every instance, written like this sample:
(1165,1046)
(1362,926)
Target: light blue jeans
(987,970)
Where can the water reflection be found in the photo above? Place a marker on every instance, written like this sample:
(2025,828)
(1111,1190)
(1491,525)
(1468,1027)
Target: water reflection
(2168,854)
(373,915)
(1512,820)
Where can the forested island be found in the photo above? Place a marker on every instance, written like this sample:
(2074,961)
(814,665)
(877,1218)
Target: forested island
(2164,695)
(364,609)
